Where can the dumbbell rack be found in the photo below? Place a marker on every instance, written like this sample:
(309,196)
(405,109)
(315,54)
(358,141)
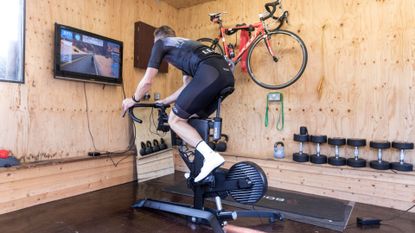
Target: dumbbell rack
(353,161)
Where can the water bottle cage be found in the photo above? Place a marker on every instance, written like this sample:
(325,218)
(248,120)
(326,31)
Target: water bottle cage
(231,50)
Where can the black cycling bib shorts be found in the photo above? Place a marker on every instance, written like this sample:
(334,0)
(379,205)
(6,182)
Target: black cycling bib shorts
(210,72)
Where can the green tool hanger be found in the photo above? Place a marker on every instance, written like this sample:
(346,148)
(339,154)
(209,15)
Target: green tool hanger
(275,97)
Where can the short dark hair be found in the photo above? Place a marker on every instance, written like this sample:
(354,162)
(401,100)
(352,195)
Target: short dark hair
(164,31)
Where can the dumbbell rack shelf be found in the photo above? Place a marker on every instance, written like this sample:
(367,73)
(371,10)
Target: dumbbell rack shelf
(155,165)
(366,185)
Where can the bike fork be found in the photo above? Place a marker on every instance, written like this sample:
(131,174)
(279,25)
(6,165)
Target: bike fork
(275,58)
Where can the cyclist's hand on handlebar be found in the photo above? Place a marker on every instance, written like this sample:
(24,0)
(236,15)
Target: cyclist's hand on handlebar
(162,102)
(126,104)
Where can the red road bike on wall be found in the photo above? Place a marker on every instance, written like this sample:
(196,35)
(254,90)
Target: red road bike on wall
(276,58)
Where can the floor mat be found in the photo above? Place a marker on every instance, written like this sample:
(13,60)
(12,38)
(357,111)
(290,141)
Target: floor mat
(320,211)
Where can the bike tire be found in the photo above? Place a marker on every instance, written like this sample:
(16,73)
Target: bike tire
(291,80)
(211,44)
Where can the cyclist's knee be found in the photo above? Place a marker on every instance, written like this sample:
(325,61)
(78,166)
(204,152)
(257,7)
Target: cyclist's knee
(174,119)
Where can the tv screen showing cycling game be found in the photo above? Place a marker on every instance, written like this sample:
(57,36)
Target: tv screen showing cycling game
(85,56)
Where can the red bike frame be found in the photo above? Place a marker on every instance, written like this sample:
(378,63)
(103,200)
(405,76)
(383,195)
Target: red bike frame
(260,30)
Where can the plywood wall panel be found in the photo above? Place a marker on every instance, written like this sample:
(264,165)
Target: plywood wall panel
(362,54)
(46,118)
(185,3)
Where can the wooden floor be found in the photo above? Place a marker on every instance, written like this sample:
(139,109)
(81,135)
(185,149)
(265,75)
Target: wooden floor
(109,211)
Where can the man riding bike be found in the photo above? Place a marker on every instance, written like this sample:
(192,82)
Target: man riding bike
(205,75)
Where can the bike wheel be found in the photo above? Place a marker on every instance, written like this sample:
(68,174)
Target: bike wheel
(285,67)
(213,44)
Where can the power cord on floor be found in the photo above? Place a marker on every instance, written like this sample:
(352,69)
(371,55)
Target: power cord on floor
(131,144)
(349,226)
(399,215)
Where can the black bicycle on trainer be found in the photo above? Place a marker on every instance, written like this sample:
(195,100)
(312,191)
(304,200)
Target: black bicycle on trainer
(245,182)
(276,58)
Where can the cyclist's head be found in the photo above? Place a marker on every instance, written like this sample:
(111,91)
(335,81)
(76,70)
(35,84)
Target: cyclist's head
(163,32)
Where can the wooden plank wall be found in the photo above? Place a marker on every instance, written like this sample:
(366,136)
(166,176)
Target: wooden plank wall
(185,3)
(157,165)
(365,50)
(46,118)
(38,183)
(363,54)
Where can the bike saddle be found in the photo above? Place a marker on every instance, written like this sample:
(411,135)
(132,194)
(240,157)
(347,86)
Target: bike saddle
(225,92)
(215,16)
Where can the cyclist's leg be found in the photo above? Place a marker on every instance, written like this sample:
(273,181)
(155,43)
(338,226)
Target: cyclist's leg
(205,113)
(186,132)
(201,93)
(198,97)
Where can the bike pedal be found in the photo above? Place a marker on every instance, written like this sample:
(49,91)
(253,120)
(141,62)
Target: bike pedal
(210,179)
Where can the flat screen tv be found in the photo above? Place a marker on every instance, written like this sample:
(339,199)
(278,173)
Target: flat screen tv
(84,56)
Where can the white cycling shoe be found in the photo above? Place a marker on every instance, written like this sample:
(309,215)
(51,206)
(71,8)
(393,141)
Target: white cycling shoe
(214,161)
(187,175)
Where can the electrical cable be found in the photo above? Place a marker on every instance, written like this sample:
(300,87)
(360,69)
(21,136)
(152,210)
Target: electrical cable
(151,120)
(123,91)
(87,117)
(393,227)
(385,220)
(399,215)
(131,143)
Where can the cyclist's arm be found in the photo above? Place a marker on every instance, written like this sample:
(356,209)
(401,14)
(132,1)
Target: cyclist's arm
(173,97)
(157,54)
(145,84)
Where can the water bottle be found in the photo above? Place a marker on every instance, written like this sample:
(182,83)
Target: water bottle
(231,51)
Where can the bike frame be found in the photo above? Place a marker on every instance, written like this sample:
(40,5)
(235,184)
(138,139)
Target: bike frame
(260,31)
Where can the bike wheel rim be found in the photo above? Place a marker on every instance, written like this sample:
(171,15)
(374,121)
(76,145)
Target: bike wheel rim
(300,46)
